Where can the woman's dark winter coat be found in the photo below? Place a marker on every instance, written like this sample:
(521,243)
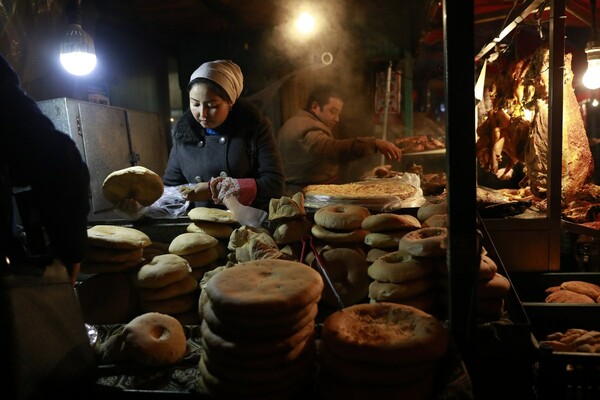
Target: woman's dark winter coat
(244,147)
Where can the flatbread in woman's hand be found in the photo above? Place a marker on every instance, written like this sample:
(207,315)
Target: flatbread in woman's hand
(136,183)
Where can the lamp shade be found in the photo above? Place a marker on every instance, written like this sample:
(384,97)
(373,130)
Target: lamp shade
(77,53)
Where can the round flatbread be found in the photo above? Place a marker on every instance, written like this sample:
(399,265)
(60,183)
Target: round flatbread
(386,333)
(191,242)
(212,215)
(268,286)
(365,190)
(137,183)
(117,237)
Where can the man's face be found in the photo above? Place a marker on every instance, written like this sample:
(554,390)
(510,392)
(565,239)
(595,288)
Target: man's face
(330,113)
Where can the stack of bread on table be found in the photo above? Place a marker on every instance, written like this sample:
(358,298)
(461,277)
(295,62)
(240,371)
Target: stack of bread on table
(386,229)
(380,351)
(166,285)
(215,222)
(402,278)
(340,225)
(113,254)
(258,330)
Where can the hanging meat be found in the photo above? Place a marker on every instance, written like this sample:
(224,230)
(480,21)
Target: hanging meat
(516,128)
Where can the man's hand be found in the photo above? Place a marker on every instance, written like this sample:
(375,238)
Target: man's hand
(198,192)
(388,149)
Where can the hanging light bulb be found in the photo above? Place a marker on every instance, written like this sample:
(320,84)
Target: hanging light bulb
(77,53)
(591,78)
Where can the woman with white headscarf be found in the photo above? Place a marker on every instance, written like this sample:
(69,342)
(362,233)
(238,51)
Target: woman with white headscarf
(222,144)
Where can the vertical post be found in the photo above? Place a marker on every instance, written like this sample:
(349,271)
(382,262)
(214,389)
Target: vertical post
(463,251)
(386,107)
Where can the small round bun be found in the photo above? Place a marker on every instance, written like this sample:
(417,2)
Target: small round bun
(137,183)
(155,339)
(341,217)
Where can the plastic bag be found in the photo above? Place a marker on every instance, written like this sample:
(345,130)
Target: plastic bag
(170,205)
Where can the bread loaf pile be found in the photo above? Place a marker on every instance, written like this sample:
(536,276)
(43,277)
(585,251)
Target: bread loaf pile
(113,248)
(402,278)
(340,224)
(217,223)
(258,331)
(380,351)
(386,229)
(166,286)
(113,254)
(573,292)
(198,249)
(574,340)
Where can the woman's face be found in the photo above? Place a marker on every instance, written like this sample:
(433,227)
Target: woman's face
(207,107)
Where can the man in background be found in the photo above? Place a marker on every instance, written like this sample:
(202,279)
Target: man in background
(311,153)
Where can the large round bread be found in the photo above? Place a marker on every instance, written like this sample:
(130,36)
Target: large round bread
(384,222)
(387,333)
(137,183)
(163,270)
(212,215)
(117,237)
(341,217)
(398,267)
(267,286)
(191,242)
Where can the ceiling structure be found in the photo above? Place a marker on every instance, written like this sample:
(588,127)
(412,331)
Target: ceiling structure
(414,25)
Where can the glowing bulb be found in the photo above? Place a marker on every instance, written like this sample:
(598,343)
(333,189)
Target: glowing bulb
(78,63)
(591,78)
(77,53)
(305,23)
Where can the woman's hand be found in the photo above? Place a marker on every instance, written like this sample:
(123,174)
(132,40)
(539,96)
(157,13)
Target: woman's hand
(222,188)
(198,192)
(129,208)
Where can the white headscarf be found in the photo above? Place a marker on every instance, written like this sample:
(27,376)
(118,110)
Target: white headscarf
(224,73)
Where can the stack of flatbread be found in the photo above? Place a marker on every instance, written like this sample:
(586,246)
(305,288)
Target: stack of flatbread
(166,286)
(404,279)
(200,250)
(258,331)
(113,248)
